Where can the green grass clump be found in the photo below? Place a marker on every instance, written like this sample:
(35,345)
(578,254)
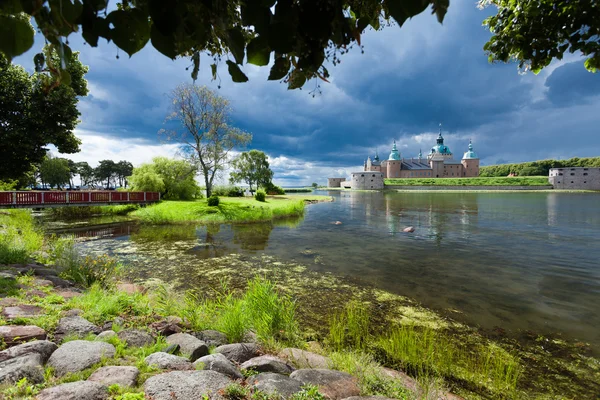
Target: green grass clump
(427,352)
(213,201)
(88,211)
(260,195)
(350,328)
(479,181)
(20,238)
(230,209)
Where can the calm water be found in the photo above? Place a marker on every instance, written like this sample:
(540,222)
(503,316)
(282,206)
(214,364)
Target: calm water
(520,261)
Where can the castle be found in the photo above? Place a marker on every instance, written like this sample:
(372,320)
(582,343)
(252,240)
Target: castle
(440,163)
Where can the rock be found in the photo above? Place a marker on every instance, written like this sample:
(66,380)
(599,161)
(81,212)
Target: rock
(250,337)
(332,384)
(189,345)
(44,272)
(367,398)
(22,311)
(59,282)
(13,334)
(338,222)
(42,282)
(74,325)
(130,288)
(124,376)
(44,348)
(105,335)
(267,364)
(80,390)
(68,294)
(218,362)
(168,361)
(136,337)
(272,384)
(9,301)
(35,293)
(167,326)
(8,275)
(172,349)
(238,352)
(409,383)
(74,312)
(409,229)
(212,338)
(186,385)
(118,321)
(26,366)
(305,359)
(78,355)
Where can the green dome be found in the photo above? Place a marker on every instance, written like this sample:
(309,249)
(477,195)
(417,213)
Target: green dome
(394,155)
(440,147)
(470,155)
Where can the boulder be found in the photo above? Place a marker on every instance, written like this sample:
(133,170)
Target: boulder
(80,390)
(186,385)
(73,312)
(409,383)
(44,272)
(238,352)
(212,338)
(22,311)
(367,398)
(8,275)
(105,335)
(267,364)
(168,361)
(332,384)
(273,384)
(124,376)
(409,229)
(136,337)
(9,301)
(28,366)
(167,326)
(59,282)
(68,294)
(14,334)
(189,345)
(31,293)
(78,355)
(305,359)
(44,348)
(43,282)
(74,325)
(218,362)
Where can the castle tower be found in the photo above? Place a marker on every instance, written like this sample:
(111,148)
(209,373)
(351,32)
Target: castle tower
(440,148)
(394,164)
(470,162)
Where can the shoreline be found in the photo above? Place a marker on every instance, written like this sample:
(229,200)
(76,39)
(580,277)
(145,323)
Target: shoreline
(461,189)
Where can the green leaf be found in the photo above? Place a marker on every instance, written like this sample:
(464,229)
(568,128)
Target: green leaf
(39,60)
(16,35)
(131,29)
(236,44)
(259,52)
(162,43)
(440,7)
(236,73)
(401,10)
(279,69)
(297,79)
(65,77)
(213,68)
(196,61)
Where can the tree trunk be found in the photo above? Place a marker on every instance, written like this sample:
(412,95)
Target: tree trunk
(208,184)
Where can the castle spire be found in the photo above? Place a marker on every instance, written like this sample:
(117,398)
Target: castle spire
(420,154)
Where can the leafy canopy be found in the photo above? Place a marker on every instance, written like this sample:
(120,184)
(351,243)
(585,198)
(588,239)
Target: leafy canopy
(175,179)
(55,172)
(253,168)
(534,32)
(297,35)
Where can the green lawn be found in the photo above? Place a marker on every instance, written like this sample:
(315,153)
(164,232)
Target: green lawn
(230,209)
(480,181)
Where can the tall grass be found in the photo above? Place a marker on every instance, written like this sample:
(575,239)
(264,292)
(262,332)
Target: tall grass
(84,212)
(424,352)
(350,327)
(19,237)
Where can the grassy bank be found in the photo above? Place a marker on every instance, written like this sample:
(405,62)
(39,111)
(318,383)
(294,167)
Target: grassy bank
(19,237)
(230,209)
(480,181)
(91,211)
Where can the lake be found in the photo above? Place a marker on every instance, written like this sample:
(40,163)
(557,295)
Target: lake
(519,261)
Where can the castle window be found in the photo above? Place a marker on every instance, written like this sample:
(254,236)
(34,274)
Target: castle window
(373,175)
(571,181)
(585,169)
(572,169)
(584,181)
(362,175)
(560,174)
(585,173)
(572,173)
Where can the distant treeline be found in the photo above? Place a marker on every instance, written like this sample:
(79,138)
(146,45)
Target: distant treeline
(536,168)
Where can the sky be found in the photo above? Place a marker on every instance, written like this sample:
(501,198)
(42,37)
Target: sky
(407,82)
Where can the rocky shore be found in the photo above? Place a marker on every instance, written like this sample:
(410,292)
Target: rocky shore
(81,360)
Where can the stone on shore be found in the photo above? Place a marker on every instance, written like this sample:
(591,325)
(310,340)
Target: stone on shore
(73,312)
(272,384)
(59,282)
(367,398)
(238,352)
(9,301)
(124,376)
(219,363)
(80,390)
(44,348)
(409,229)
(28,366)
(189,345)
(22,311)
(168,361)
(75,325)
(186,385)
(409,383)
(68,294)
(131,288)
(14,334)
(105,335)
(168,326)
(332,384)
(136,337)
(78,355)
(43,282)
(305,359)
(267,364)
(8,275)
(212,338)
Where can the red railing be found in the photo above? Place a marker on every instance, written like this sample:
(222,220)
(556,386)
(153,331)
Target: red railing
(75,197)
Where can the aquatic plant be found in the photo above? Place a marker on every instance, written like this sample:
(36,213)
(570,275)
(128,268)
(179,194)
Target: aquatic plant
(20,238)
(350,327)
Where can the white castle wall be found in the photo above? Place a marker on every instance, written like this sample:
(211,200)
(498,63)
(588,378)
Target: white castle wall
(367,180)
(576,178)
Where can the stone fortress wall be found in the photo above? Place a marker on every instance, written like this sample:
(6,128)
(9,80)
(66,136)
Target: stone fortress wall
(575,178)
(367,180)
(335,182)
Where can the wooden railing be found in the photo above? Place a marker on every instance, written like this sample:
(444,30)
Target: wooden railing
(31,198)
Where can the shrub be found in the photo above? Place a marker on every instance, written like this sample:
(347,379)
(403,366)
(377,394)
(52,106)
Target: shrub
(213,201)
(274,189)
(260,195)
(235,192)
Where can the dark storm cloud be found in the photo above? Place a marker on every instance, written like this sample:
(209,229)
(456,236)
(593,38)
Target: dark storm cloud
(572,84)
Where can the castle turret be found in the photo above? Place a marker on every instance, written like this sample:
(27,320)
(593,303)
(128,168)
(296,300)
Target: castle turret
(440,148)
(393,163)
(470,162)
